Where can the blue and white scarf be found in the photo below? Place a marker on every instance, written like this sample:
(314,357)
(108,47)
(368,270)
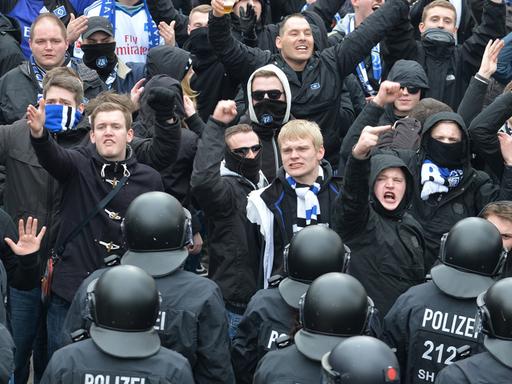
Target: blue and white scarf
(108,10)
(361,68)
(436,179)
(308,206)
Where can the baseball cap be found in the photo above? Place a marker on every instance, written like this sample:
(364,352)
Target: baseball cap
(98,24)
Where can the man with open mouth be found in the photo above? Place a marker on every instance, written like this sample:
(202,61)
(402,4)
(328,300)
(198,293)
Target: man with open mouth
(386,241)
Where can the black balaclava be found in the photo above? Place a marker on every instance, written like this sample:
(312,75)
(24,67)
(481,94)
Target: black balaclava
(100,57)
(270,113)
(198,44)
(438,42)
(446,155)
(248,168)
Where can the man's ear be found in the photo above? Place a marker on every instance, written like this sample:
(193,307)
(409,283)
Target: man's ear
(81,107)
(129,135)
(421,27)
(278,42)
(321,152)
(92,137)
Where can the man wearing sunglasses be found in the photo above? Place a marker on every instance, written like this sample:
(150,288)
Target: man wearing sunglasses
(269,103)
(232,240)
(397,96)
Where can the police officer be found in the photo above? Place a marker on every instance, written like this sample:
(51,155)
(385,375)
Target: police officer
(124,346)
(495,365)
(344,364)
(430,322)
(6,354)
(192,317)
(313,251)
(334,307)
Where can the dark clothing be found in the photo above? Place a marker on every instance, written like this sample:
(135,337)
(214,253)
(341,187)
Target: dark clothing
(317,95)
(19,88)
(280,203)
(10,37)
(449,68)
(266,318)
(87,178)
(287,366)
(6,355)
(232,241)
(426,326)
(387,246)
(192,322)
(441,211)
(482,368)
(483,131)
(84,362)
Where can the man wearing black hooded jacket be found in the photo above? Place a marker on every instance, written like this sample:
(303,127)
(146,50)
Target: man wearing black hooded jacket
(446,187)
(232,240)
(386,241)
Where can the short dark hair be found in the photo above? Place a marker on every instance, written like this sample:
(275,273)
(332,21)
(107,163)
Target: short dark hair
(66,78)
(110,101)
(51,16)
(285,20)
(239,128)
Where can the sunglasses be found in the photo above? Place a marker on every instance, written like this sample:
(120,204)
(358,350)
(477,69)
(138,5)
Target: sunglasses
(412,90)
(273,94)
(244,151)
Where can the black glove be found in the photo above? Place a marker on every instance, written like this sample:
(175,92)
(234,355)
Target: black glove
(163,101)
(247,20)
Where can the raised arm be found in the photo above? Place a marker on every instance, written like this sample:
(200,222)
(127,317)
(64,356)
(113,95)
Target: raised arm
(491,27)
(388,92)
(352,206)
(238,59)
(207,185)
(372,30)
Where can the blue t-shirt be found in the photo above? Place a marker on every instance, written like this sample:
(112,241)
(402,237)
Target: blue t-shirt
(26,11)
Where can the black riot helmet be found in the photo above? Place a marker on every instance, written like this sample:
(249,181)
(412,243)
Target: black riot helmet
(495,315)
(360,360)
(334,307)
(471,255)
(124,305)
(156,231)
(313,251)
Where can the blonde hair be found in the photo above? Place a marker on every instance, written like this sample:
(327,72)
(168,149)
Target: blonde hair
(438,3)
(301,129)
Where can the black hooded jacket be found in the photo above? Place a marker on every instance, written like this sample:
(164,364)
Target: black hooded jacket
(442,210)
(387,246)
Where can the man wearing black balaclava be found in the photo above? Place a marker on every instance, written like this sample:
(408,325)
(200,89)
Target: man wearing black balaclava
(449,66)
(99,48)
(226,168)
(209,80)
(269,103)
(447,187)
